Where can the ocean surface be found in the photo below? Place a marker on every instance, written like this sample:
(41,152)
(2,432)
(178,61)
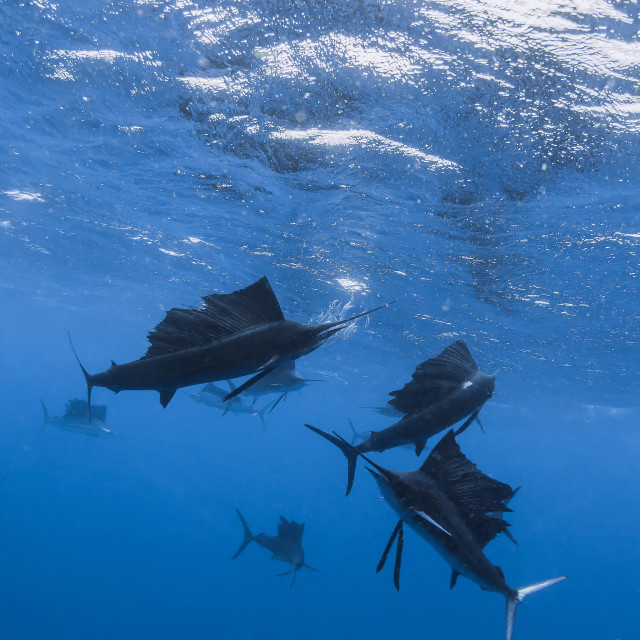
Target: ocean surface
(475,161)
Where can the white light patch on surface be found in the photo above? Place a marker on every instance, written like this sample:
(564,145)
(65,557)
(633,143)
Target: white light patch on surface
(364,139)
(172,253)
(352,285)
(28,196)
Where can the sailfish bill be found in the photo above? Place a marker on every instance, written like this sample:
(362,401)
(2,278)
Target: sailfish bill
(232,335)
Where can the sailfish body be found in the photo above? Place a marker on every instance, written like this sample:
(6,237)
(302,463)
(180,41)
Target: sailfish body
(286,546)
(458,510)
(232,335)
(442,391)
(76,419)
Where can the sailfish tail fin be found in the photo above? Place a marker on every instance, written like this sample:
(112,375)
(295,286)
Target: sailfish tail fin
(87,376)
(350,453)
(520,594)
(248,536)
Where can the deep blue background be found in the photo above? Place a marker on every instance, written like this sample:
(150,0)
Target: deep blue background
(476,163)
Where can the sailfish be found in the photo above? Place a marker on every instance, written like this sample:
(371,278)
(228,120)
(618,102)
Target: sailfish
(442,391)
(235,334)
(286,546)
(458,510)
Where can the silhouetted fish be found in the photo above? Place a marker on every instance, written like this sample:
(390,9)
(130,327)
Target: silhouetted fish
(212,395)
(286,546)
(442,391)
(232,335)
(76,418)
(458,510)
(358,437)
(282,380)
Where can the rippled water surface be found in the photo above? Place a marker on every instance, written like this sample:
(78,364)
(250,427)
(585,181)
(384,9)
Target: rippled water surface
(476,162)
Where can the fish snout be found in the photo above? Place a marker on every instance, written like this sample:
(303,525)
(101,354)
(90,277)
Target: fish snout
(297,560)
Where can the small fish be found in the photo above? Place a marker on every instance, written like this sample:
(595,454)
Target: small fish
(442,391)
(211,395)
(236,334)
(458,510)
(76,418)
(282,380)
(357,437)
(286,546)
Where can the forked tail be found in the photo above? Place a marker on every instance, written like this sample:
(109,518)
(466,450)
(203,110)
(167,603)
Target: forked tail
(520,595)
(87,376)
(248,536)
(350,453)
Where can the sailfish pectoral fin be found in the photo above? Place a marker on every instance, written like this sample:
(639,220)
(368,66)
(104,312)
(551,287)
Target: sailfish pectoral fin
(250,382)
(429,519)
(467,422)
(385,553)
(399,547)
(454,577)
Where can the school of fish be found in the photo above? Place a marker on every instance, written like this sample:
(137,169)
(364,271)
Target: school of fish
(447,500)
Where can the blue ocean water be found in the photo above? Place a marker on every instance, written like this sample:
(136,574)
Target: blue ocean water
(475,161)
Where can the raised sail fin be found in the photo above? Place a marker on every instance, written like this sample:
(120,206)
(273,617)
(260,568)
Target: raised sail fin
(80,409)
(435,379)
(221,315)
(290,531)
(480,499)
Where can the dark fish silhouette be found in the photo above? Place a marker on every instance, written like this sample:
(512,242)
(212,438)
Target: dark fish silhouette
(442,391)
(286,546)
(458,510)
(232,335)
(76,418)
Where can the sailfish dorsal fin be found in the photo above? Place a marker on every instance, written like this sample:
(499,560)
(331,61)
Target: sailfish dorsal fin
(80,409)
(291,531)
(435,379)
(480,500)
(222,315)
